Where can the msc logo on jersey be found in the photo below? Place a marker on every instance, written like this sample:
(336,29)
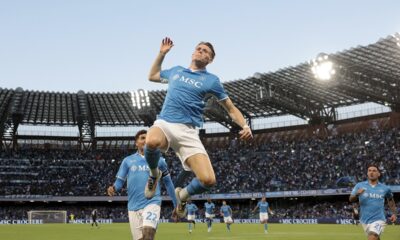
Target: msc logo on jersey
(375,195)
(140,168)
(190,81)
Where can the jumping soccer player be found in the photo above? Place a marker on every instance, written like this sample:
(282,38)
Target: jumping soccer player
(180,115)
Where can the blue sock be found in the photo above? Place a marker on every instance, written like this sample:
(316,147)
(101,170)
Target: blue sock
(228,226)
(265,227)
(196,187)
(190,226)
(152,156)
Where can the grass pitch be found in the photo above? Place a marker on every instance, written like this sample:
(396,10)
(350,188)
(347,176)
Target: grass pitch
(176,231)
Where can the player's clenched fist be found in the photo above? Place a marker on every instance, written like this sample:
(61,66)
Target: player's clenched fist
(111,191)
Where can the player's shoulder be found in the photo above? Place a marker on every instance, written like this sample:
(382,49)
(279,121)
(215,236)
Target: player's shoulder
(130,157)
(384,186)
(361,184)
(212,76)
(177,68)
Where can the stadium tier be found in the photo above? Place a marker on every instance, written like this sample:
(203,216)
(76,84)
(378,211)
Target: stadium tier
(285,164)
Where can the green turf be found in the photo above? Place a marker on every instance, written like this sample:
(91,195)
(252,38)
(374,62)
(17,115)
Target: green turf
(178,231)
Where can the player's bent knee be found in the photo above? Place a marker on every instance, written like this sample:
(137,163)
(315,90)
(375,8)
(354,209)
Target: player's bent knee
(148,233)
(373,236)
(153,143)
(208,181)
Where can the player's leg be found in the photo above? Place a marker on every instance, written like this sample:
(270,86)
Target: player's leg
(189,218)
(205,176)
(373,236)
(211,222)
(266,226)
(374,230)
(155,140)
(148,233)
(136,224)
(151,215)
(264,221)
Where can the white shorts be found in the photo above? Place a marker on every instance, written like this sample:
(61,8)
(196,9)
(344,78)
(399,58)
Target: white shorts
(263,216)
(228,219)
(182,138)
(211,216)
(146,217)
(376,227)
(191,217)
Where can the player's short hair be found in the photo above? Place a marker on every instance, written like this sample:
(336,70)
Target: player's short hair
(373,165)
(208,44)
(140,133)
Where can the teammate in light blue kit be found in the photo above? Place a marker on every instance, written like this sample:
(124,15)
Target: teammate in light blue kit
(209,206)
(263,205)
(191,209)
(181,114)
(226,211)
(143,213)
(371,195)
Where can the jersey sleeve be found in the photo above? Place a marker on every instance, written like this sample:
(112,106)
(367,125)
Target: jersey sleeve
(355,189)
(389,193)
(165,75)
(123,170)
(218,90)
(121,175)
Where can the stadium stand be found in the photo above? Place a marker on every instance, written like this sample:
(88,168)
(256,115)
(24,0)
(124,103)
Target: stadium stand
(307,157)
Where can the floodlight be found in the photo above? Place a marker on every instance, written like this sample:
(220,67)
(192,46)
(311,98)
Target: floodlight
(322,67)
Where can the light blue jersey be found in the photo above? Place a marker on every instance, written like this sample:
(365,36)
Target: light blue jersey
(184,102)
(135,171)
(226,210)
(209,207)
(263,206)
(372,201)
(191,209)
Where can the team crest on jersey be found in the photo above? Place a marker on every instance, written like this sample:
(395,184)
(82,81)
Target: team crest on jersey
(175,77)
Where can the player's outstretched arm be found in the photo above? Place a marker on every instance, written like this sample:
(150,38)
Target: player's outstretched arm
(393,209)
(111,190)
(166,45)
(255,208)
(237,117)
(270,211)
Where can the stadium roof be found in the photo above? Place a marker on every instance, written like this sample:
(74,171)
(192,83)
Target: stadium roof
(364,74)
